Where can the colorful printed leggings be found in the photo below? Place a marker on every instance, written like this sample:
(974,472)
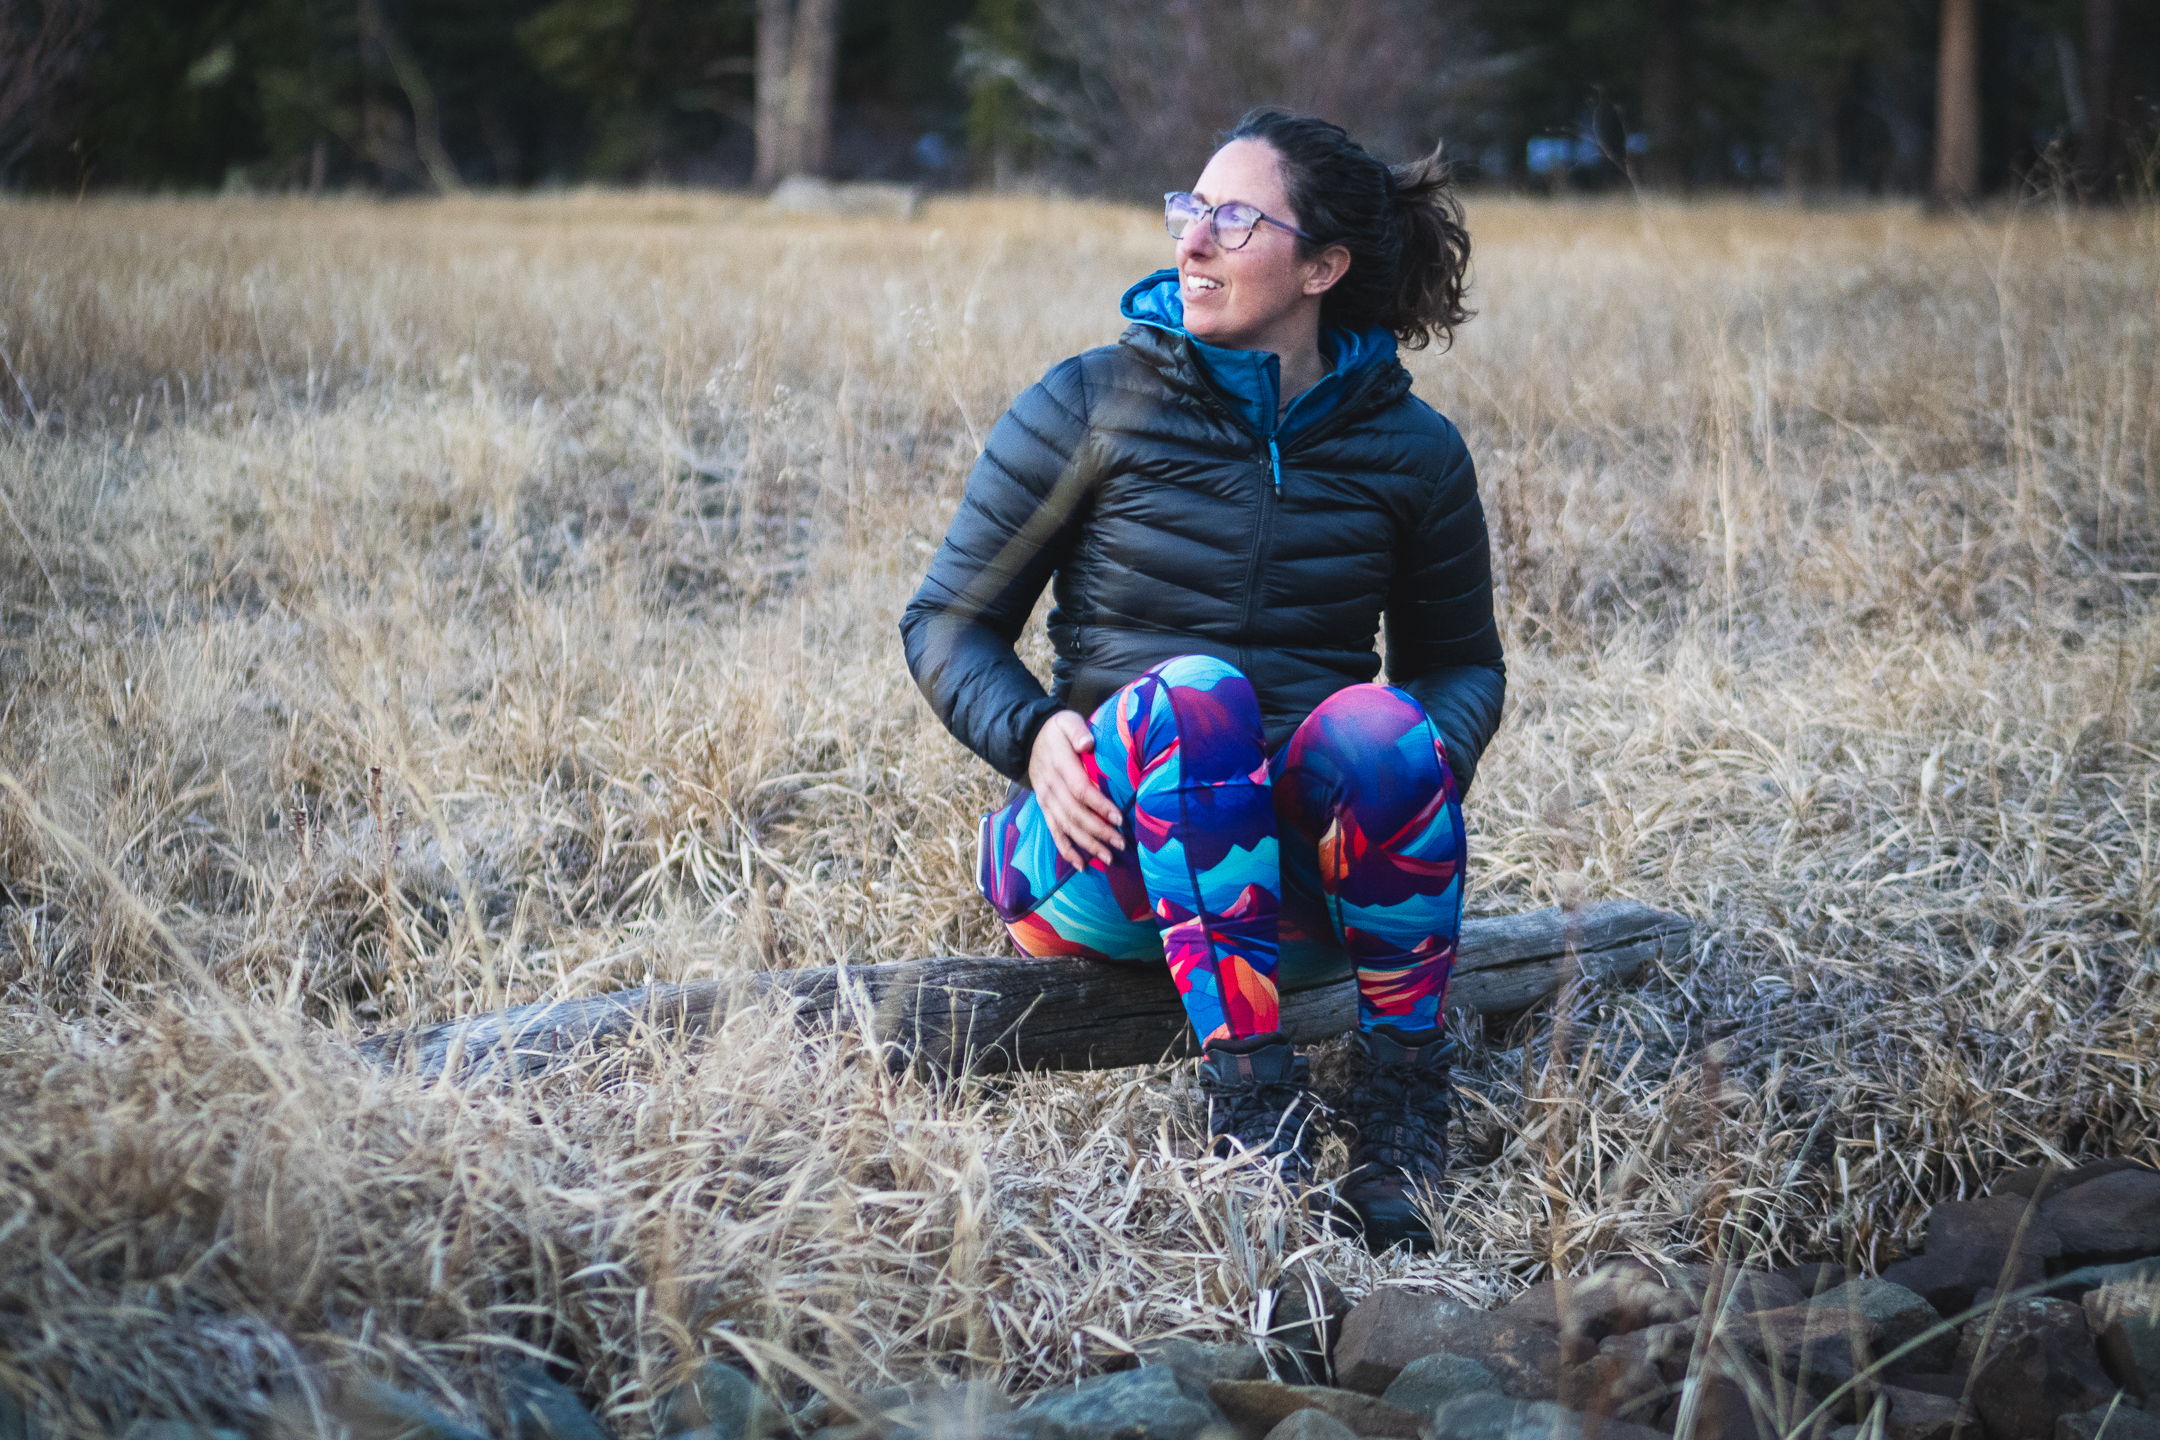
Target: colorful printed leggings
(1344,848)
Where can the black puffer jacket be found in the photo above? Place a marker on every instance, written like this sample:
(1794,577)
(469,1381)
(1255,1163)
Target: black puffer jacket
(1126,475)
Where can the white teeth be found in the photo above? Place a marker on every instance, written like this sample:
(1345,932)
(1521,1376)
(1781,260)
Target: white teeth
(1201,282)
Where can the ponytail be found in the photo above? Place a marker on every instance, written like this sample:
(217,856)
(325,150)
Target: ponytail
(1409,251)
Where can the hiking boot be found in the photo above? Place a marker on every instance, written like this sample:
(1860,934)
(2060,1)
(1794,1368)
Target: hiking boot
(1398,1108)
(1260,1099)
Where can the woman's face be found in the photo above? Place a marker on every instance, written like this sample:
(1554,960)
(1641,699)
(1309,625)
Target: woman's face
(1241,299)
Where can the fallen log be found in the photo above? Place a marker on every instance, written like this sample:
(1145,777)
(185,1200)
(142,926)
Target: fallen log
(995,1014)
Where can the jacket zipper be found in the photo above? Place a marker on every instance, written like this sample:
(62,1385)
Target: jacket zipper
(1268,498)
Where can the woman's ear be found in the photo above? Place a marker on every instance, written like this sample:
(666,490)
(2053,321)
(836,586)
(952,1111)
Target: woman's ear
(1326,268)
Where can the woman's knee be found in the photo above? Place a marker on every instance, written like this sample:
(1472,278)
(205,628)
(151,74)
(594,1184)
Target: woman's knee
(1369,737)
(1198,672)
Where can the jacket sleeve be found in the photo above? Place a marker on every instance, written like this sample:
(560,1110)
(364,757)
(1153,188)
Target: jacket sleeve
(1442,643)
(1014,528)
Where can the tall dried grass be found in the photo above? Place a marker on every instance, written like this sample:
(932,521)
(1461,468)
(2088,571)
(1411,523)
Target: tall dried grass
(419,608)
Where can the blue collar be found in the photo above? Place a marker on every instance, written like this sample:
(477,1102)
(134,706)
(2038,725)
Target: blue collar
(1251,380)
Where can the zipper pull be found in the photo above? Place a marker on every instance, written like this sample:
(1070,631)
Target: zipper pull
(1275,463)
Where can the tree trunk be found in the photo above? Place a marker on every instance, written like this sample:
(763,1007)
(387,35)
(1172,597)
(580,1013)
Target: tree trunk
(813,48)
(991,1014)
(1665,107)
(797,44)
(2097,155)
(773,18)
(1957,105)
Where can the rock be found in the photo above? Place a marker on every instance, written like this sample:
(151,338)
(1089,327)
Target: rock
(1611,1301)
(1732,1395)
(1917,1415)
(376,1408)
(1145,1404)
(1523,1355)
(1667,1349)
(1968,1244)
(2113,1218)
(723,1400)
(2074,1284)
(1386,1331)
(2040,1364)
(1891,1317)
(1311,1425)
(1614,1385)
(2109,1422)
(14,1420)
(809,195)
(161,1430)
(1495,1417)
(540,1409)
(1202,1363)
(2027,1181)
(1430,1381)
(1306,1320)
(928,1410)
(1737,1292)
(1256,1407)
(2125,1321)
(1816,1276)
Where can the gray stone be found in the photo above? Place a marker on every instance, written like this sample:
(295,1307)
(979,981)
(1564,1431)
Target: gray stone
(1430,1381)
(2109,1422)
(177,1430)
(1736,1291)
(2113,1218)
(379,1408)
(1917,1415)
(1816,1276)
(540,1409)
(1616,1385)
(1495,1417)
(1731,1393)
(721,1399)
(1306,1321)
(2048,1180)
(14,1420)
(1614,1300)
(1256,1407)
(1970,1246)
(1386,1331)
(809,195)
(1311,1425)
(2125,1322)
(1390,1328)
(1202,1363)
(2039,1365)
(2074,1284)
(1144,1404)
(1892,1317)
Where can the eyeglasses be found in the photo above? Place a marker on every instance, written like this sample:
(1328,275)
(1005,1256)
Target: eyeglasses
(1231,223)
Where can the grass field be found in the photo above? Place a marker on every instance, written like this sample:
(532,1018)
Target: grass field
(412,609)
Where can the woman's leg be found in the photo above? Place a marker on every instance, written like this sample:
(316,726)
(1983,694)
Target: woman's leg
(1180,752)
(1364,785)
(1365,782)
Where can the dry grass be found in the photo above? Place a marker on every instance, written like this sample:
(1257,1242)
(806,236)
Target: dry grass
(412,609)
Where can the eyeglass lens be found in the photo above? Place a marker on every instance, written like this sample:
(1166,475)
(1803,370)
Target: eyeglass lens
(1233,223)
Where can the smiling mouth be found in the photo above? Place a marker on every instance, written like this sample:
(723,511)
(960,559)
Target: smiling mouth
(1202,284)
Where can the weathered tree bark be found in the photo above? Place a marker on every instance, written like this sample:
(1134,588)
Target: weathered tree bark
(797,46)
(1957,105)
(991,1015)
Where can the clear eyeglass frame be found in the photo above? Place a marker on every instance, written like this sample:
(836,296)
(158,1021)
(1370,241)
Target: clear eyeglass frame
(1231,223)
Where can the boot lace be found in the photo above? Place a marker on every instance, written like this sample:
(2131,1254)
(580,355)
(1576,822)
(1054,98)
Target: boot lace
(1402,1114)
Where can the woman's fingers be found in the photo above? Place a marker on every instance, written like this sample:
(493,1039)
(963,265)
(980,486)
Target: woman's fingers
(1084,823)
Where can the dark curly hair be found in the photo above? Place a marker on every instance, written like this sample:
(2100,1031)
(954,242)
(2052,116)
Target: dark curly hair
(1403,227)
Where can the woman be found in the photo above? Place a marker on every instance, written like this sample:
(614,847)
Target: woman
(1228,503)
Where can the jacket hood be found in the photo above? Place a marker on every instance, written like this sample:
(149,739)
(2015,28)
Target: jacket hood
(1251,380)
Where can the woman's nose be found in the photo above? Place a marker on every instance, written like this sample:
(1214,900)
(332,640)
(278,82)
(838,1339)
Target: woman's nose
(1198,240)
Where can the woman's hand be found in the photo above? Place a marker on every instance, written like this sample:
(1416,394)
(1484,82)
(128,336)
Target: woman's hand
(1082,820)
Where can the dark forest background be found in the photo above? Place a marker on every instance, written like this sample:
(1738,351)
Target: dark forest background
(1956,97)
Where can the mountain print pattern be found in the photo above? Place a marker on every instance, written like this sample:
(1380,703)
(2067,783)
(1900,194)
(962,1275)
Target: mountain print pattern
(1345,849)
